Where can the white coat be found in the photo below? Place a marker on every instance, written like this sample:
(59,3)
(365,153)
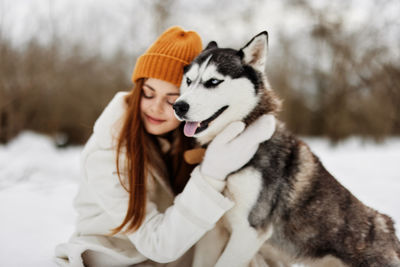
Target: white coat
(171,226)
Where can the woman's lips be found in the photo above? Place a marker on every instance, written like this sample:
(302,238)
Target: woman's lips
(154,120)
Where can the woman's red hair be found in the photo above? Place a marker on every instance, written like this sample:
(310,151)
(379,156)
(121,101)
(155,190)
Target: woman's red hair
(142,151)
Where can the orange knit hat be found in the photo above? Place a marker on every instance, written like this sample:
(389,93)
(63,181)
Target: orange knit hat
(167,56)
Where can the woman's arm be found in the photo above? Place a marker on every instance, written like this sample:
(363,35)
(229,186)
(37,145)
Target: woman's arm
(195,211)
(163,237)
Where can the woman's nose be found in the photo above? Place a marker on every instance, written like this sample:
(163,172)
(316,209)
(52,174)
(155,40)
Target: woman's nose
(157,106)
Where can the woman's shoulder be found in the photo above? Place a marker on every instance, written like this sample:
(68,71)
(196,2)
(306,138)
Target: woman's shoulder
(108,125)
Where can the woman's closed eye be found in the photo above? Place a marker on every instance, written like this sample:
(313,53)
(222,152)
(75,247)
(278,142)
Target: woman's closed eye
(147,93)
(171,99)
(147,96)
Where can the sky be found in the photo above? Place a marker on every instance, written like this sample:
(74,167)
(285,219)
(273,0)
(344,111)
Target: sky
(131,24)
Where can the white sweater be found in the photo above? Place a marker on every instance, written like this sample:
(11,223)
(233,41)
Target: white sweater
(171,226)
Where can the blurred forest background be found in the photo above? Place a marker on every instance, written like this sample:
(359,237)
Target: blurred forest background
(336,64)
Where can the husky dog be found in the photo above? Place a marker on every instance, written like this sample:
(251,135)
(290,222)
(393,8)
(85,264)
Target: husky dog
(285,198)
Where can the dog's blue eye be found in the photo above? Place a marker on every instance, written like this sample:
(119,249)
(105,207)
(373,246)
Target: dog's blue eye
(188,81)
(212,82)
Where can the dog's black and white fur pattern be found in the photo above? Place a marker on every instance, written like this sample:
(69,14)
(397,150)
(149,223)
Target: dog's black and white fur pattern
(285,200)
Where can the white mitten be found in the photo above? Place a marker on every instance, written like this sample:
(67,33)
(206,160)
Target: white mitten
(233,148)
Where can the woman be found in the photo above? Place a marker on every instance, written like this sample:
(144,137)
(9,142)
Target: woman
(139,202)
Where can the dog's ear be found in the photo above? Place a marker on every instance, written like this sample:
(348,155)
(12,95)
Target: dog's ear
(254,52)
(212,44)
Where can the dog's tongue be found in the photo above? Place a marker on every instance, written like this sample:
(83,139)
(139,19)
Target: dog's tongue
(190,128)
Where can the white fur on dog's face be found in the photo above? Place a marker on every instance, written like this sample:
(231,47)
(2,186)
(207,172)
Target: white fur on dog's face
(205,102)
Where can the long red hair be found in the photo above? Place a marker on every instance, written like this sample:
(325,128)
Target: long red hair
(142,151)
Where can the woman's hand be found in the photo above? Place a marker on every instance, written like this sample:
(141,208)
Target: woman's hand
(235,146)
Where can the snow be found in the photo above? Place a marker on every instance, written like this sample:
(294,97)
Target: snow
(37,186)
(38,183)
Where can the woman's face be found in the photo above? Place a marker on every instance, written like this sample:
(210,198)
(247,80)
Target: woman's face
(156,106)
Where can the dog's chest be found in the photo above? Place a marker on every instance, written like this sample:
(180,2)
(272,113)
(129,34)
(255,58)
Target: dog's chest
(243,188)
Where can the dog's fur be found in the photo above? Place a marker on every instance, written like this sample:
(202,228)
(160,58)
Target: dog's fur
(284,198)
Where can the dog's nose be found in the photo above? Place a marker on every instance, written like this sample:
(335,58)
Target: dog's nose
(181,108)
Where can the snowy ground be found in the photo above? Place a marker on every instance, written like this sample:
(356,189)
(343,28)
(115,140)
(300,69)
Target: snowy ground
(38,183)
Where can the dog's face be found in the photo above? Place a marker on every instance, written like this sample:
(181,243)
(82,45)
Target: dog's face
(221,86)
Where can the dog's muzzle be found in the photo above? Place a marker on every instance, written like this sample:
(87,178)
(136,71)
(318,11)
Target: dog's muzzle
(181,108)
(194,127)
